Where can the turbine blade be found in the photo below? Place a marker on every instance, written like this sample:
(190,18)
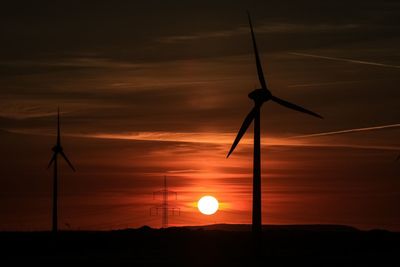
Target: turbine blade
(258,61)
(67,160)
(295,107)
(246,123)
(58,127)
(52,160)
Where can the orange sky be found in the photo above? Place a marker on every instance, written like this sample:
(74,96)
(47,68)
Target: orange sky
(164,91)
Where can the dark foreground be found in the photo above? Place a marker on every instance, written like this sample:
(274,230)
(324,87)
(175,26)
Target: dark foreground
(221,245)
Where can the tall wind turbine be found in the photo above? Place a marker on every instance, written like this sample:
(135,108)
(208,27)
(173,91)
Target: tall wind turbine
(259,96)
(57,150)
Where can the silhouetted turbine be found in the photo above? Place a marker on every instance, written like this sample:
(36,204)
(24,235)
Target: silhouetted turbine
(57,149)
(259,96)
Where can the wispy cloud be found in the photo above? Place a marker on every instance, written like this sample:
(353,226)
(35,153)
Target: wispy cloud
(183,171)
(226,139)
(81,62)
(378,64)
(27,109)
(208,138)
(19,111)
(266,28)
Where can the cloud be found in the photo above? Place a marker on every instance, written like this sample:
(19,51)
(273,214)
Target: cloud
(73,62)
(26,113)
(183,171)
(25,108)
(221,139)
(264,29)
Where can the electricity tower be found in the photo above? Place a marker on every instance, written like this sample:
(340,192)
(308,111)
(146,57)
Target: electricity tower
(165,208)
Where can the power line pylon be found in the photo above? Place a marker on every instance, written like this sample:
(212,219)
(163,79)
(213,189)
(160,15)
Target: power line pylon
(165,208)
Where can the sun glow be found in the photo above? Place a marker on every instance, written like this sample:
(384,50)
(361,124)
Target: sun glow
(208,205)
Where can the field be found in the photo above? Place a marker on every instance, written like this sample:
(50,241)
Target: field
(215,245)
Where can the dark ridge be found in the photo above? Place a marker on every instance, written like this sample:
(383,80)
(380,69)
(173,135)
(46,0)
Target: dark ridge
(210,245)
(289,227)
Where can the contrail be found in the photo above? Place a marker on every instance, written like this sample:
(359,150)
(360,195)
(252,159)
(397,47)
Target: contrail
(323,84)
(349,131)
(348,60)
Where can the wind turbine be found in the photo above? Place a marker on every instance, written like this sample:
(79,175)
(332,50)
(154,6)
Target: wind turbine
(259,96)
(57,150)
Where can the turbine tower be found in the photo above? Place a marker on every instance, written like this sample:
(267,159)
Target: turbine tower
(259,96)
(57,150)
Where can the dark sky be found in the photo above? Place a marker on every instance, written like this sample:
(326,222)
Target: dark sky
(160,87)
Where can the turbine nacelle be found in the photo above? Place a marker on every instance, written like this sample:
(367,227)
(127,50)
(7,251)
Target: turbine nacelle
(260,95)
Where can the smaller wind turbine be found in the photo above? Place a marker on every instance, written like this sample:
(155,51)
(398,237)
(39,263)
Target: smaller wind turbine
(57,150)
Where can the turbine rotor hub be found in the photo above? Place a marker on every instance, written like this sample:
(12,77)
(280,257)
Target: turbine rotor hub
(260,95)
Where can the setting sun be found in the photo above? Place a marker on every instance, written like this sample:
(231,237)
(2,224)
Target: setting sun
(208,205)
